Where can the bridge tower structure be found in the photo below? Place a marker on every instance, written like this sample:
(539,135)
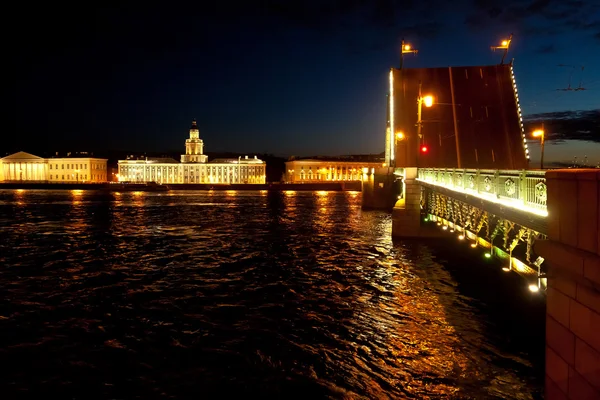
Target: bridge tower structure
(453,118)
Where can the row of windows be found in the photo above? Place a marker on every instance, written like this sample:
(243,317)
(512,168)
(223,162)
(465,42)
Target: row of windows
(82,177)
(77,166)
(350,168)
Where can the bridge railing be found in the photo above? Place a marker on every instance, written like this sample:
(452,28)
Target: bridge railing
(521,189)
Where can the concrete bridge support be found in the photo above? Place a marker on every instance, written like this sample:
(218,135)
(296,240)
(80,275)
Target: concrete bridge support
(572,256)
(406,215)
(380,189)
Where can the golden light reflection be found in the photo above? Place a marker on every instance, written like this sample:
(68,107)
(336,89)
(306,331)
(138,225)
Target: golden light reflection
(231,193)
(290,192)
(76,196)
(411,343)
(20,190)
(322,193)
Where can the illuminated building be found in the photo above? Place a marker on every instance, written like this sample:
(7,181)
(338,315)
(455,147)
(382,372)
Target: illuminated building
(317,170)
(23,166)
(193,167)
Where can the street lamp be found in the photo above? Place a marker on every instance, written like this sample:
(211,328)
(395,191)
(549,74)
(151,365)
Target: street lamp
(504,45)
(406,49)
(428,101)
(542,135)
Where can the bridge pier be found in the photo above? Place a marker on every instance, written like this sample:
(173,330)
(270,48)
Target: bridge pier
(380,189)
(572,256)
(406,215)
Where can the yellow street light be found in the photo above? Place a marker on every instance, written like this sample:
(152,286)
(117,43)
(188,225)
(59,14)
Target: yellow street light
(538,132)
(406,48)
(400,136)
(428,100)
(504,45)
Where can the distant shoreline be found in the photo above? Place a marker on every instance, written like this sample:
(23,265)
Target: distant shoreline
(120,187)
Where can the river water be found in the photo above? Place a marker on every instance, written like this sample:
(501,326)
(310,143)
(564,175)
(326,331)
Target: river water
(250,294)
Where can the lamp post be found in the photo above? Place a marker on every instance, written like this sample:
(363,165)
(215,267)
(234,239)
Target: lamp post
(406,49)
(428,101)
(542,135)
(504,45)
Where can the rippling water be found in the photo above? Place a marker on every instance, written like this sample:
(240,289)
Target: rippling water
(218,294)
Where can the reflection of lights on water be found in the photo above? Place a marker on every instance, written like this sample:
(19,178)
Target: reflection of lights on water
(322,209)
(77,192)
(231,192)
(263,191)
(20,190)
(505,269)
(322,193)
(290,192)
(138,193)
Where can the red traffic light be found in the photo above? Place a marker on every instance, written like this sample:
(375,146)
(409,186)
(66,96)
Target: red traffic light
(424,149)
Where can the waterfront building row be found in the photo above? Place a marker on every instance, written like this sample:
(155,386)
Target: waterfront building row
(193,167)
(323,170)
(23,166)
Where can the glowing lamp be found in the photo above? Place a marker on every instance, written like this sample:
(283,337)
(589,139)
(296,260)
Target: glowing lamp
(400,135)
(406,47)
(428,101)
(538,132)
(424,149)
(505,43)
(534,288)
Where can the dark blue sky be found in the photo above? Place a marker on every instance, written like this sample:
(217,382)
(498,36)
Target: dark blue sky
(285,77)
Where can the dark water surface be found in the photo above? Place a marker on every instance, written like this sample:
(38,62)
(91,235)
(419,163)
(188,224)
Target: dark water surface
(250,294)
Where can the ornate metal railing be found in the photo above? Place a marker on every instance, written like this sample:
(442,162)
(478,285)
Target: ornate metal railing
(521,189)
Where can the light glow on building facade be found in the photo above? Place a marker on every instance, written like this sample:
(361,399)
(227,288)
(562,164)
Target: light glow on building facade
(22,166)
(315,170)
(193,167)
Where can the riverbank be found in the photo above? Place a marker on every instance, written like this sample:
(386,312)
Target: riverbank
(122,187)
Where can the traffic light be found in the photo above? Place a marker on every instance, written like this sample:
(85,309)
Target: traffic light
(424,149)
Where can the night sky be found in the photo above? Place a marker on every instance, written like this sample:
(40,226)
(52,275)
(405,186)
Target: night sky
(282,77)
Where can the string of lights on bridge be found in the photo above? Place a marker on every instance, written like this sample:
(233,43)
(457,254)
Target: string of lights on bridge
(488,254)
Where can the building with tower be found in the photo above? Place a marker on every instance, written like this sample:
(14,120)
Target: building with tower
(194,167)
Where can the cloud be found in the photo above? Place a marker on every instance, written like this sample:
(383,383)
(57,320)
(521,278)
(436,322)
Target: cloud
(546,49)
(535,16)
(567,125)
